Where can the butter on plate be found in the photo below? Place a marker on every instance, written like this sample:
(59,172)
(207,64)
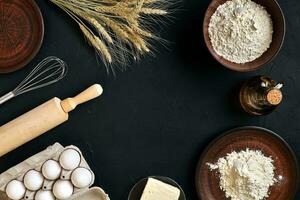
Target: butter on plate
(158,190)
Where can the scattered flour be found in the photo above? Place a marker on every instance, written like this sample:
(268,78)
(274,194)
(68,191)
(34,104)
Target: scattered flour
(245,175)
(240,30)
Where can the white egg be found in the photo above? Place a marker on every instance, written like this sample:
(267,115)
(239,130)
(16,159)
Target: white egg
(15,190)
(51,170)
(44,195)
(63,189)
(33,180)
(70,159)
(81,177)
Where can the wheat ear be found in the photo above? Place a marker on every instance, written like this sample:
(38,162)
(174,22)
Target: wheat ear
(96,43)
(115,27)
(153,11)
(100,29)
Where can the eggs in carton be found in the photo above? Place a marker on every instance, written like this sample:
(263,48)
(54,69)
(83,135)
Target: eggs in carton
(55,173)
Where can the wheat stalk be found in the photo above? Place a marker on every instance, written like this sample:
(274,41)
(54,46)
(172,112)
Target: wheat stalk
(117,29)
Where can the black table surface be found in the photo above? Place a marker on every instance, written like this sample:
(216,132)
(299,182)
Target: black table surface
(158,116)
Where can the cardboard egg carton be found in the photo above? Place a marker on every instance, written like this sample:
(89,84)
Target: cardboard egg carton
(35,162)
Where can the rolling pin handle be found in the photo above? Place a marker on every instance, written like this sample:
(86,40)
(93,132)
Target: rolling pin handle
(92,92)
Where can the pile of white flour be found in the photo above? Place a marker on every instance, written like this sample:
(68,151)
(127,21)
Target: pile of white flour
(240,30)
(245,175)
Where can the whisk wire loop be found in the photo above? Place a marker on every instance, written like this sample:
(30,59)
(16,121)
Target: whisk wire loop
(47,72)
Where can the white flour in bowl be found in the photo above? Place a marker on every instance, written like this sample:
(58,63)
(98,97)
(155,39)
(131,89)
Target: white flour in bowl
(245,175)
(240,31)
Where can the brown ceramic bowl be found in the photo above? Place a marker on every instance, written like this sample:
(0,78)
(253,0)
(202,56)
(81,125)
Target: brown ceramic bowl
(276,13)
(21,33)
(207,182)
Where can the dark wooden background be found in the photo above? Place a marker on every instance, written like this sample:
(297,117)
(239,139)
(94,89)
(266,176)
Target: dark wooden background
(158,116)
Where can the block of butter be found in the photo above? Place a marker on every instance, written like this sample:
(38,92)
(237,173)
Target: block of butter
(158,190)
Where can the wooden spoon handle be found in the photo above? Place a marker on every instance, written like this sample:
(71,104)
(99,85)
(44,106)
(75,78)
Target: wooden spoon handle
(92,92)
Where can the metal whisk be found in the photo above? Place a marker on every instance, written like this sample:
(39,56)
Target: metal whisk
(48,71)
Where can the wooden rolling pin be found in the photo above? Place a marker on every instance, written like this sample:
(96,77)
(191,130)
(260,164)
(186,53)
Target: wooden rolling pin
(42,119)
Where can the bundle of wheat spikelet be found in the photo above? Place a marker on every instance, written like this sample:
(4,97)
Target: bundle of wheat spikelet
(117,29)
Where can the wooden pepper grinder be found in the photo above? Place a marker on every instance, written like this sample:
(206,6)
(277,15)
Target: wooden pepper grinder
(260,95)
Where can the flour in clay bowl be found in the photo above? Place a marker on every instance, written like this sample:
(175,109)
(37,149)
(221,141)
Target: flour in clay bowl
(240,31)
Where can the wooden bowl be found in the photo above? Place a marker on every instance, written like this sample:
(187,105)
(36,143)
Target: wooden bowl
(279,28)
(21,33)
(272,145)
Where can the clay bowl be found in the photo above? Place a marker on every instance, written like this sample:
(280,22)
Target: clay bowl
(255,138)
(21,33)
(279,28)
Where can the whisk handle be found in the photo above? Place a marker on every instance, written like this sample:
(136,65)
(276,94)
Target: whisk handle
(92,92)
(6,97)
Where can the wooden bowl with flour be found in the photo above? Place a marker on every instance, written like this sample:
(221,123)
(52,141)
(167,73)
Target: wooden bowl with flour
(278,20)
(286,169)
